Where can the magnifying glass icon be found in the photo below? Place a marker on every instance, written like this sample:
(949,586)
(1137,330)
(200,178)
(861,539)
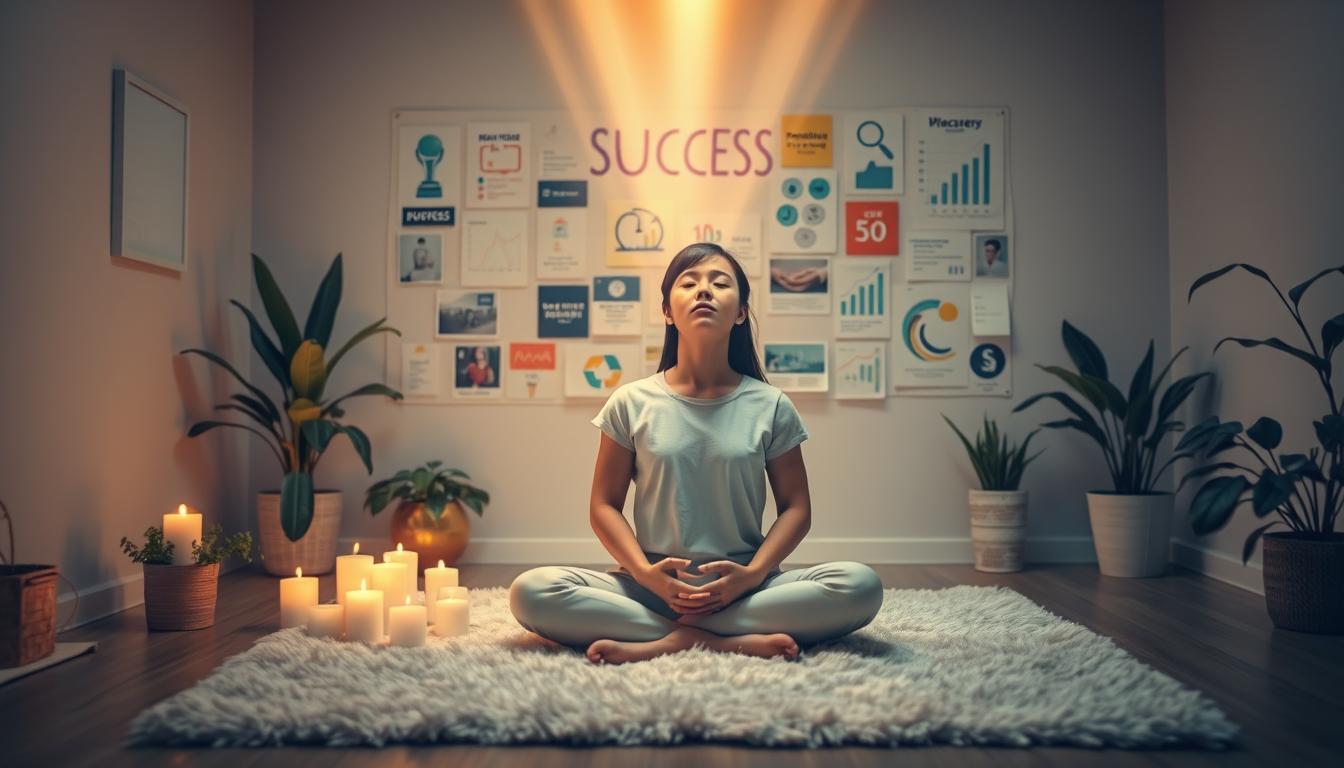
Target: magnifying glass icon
(870,134)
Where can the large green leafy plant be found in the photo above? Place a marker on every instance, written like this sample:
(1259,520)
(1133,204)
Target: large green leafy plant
(430,485)
(1128,429)
(997,462)
(1305,489)
(301,428)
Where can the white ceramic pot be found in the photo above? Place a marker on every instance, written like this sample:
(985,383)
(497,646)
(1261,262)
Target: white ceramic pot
(998,529)
(315,551)
(1132,534)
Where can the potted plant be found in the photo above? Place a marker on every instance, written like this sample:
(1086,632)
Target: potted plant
(182,597)
(301,428)
(1131,523)
(998,509)
(430,518)
(1303,566)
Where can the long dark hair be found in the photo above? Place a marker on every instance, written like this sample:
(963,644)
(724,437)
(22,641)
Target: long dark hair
(741,341)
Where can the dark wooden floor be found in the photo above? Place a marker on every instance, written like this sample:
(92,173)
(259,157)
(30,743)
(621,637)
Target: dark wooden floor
(1285,689)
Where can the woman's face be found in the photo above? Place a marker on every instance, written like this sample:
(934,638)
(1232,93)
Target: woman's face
(705,298)
(480,357)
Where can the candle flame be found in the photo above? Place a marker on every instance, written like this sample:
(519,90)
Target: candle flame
(181,509)
(440,563)
(398,546)
(363,584)
(356,548)
(408,599)
(298,572)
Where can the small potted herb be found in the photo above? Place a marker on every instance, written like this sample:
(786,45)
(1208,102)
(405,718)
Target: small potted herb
(431,518)
(181,597)
(998,509)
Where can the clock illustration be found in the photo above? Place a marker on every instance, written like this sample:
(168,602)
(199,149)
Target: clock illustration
(639,229)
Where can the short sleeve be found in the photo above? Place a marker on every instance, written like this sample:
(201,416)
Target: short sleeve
(614,419)
(787,430)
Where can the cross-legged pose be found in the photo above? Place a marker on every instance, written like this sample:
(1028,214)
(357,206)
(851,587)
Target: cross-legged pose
(698,439)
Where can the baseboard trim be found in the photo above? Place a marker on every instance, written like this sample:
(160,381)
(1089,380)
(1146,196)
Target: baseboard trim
(113,596)
(1219,566)
(537,551)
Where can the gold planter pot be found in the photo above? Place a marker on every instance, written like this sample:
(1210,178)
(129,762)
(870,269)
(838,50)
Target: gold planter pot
(415,529)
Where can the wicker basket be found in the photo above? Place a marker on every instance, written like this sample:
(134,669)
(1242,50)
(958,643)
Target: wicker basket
(1303,573)
(180,597)
(315,551)
(27,613)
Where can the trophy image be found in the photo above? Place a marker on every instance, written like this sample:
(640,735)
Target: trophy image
(429,151)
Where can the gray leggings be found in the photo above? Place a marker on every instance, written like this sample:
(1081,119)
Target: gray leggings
(575,606)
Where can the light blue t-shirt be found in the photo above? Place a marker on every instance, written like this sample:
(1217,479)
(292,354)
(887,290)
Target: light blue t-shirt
(700,464)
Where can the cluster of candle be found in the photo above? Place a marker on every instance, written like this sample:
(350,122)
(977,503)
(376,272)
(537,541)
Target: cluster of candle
(374,601)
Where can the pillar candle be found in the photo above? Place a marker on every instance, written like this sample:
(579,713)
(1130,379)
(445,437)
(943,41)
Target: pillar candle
(436,578)
(350,571)
(390,579)
(412,561)
(297,595)
(406,625)
(451,617)
(182,529)
(364,615)
(326,620)
(457,593)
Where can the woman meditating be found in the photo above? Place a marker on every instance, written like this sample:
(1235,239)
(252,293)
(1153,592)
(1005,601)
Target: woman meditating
(698,439)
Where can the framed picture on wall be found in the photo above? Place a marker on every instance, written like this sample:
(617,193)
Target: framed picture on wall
(149,174)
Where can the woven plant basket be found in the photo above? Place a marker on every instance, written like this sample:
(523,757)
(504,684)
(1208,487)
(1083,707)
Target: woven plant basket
(27,613)
(180,597)
(315,551)
(1303,575)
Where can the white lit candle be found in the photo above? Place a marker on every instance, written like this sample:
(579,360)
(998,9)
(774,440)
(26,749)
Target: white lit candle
(350,571)
(451,617)
(436,578)
(390,579)
(182,529)
(326,620)
(297,595)
(364,615)
(412,561)
(457,593)
(406,624)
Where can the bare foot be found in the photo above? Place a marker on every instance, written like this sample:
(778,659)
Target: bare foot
(684,637)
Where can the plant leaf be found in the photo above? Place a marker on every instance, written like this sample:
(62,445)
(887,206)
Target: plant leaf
(1266,432)
(307,370)
(1254,537)
(1176,394)
(266,408)
(1080,384)
(296,504)
(1214,503)
(367,389)
(217,360)
(1270,492)
(1084,352)
(1321,365)
(1301,288)
(1207,469)
(364,333)
(277,309)
(1329,431)
(1258,272)
(361,443)
(1332,333)
(322,314)
(266,349)
(318,433)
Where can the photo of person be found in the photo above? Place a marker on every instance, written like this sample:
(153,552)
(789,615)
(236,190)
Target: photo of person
(991,256)
(477,366)
(798,275)
(421,258)
(467,313)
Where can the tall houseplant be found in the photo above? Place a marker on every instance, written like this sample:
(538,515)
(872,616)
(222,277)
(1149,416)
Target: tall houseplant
(299,429)
(998,509)
(1303,567)
(430,517)
(1131,524)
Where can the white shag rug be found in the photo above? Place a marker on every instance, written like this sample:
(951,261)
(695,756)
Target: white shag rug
(964,666)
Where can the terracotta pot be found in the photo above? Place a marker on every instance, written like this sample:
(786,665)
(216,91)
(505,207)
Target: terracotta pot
(1132,533)
(445,539)
(1302,574)
(998,529)
(180,597)
(315,551)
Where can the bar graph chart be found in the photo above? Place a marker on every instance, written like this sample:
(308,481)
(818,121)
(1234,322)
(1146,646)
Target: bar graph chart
(959,165)
(869,297)
(864,295)
(860,370)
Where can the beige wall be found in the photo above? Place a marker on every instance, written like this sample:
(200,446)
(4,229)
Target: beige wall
(1254,168)
(95,402)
